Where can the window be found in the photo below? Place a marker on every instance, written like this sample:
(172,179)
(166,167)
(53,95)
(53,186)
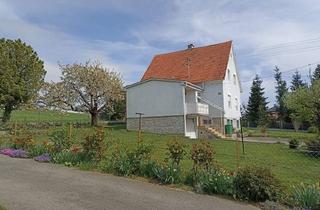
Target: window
(229,101)
(236,104)
(234,79)
(229,74)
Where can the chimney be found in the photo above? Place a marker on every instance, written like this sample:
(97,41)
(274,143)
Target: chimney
(190,46)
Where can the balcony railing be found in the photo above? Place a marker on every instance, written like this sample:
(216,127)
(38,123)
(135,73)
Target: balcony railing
(197,108)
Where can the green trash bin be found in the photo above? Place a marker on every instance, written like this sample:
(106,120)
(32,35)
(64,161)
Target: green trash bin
(229,129)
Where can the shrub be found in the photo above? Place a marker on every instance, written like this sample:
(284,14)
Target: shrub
(23,141)
(312,129)
(176,150)
(60,140)
(214,181)
(94,146)
(68,158)
(127,162)
(166,173)
(294,143)
(256,184)
(307,196)
(313,146)
(202,154)
(37,150)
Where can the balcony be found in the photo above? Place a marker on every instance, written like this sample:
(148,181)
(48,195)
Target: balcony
(197,109)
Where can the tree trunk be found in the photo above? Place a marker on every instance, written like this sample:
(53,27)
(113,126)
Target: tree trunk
(94,118)
(7,113)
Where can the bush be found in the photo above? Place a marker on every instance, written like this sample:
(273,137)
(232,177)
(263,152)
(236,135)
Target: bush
(60,140)
(23,141)
(166,173)
(313,146)
(176,150)
(127,162)
(68,158)
(294,143)
(256,184)
(94,146)
(37,150)
(312,129)
(214,181)
(307,197)
(202,154)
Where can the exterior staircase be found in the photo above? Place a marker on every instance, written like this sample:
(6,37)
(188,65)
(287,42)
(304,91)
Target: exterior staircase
(210,131)
(216,133)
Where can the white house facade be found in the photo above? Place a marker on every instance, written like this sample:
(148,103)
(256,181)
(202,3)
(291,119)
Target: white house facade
(185,90)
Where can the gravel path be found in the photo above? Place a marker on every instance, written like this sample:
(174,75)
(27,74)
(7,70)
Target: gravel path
(26,184)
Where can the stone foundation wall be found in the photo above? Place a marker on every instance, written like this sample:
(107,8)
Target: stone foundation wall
(162,125)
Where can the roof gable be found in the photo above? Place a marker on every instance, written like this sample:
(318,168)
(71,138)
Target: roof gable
(193,65)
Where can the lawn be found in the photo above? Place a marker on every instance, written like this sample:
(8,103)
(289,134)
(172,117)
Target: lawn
(24,116)
(279,133)
(290,166)
(2,208)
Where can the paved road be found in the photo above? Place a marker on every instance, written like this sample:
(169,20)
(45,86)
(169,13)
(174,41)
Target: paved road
(26,184)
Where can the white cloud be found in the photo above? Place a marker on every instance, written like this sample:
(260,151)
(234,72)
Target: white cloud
(172,24)
(55,46)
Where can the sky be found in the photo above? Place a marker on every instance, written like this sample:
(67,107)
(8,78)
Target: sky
(124,35)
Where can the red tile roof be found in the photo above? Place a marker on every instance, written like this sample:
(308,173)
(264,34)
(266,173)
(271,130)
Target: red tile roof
(204,63)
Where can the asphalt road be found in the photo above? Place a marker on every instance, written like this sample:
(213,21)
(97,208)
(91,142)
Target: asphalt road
(26,184)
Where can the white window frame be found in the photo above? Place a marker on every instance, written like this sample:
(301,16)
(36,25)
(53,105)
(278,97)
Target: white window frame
(229,101)
(234,79)
(236,104)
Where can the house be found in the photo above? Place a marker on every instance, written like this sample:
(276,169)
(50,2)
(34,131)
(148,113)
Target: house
(183,91)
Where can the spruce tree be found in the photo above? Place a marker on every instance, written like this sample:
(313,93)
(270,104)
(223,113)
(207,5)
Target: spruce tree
(297,82)
(316,73)
(256,102)
(281,91)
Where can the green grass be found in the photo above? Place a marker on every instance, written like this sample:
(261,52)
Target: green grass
(284,133)
(2,208)
(290,166)
(23,116)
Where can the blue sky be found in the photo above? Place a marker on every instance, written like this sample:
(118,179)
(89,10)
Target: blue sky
(125,35)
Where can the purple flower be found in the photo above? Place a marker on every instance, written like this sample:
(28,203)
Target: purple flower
(43,158)
(6,151)
(19,153)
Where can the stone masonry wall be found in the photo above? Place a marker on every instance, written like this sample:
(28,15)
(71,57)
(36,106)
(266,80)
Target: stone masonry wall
(162,125)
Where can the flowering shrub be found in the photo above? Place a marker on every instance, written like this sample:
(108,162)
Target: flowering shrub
(45,158)
(126,162)
(166,173)
(202,154)
(214,181)
(176,150)
(256,184)
(307,196)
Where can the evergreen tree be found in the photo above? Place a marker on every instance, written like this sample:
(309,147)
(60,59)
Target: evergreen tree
(316,73)
(281,91)
(256,102)
(21,75)
(297,82)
